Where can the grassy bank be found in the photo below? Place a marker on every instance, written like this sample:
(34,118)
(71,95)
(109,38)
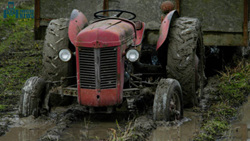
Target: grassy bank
(20,58)
(232,91)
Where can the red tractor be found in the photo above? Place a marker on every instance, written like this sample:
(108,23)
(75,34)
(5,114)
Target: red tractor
(104,63)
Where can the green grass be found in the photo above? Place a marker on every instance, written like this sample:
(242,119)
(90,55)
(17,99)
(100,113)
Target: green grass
(2,107)
(16,30)
(20,57)
(232,92)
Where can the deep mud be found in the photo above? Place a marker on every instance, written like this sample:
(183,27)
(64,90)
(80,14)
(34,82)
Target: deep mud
(211,87)
(72,123)
(182,131)
(27,128)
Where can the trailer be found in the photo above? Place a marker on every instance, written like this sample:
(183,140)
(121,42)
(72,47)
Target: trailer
(224,22)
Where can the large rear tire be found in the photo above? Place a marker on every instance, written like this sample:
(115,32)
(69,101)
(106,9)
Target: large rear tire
(32,97)
(57,39)
(185,45)
(168,101)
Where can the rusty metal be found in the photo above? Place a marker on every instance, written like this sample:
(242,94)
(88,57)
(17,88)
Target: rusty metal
(70,91)
(245,28)
(223,39)
(105,7)
(46,19)
(77,22)
(167,6)
(131,89)
(164,29)
(177,3)
(37,18)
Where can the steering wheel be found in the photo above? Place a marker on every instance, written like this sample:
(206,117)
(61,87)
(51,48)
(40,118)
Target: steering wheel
(98,16)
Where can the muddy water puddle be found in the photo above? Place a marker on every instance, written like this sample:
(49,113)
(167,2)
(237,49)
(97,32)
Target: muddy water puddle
(97,127)
(240,129)
(24,134)
(94,127)
(182,131)
(27,129)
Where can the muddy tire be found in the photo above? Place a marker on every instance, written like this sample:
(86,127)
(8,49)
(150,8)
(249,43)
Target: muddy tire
(184,45)
(168,101)
(31,97)
(56,39)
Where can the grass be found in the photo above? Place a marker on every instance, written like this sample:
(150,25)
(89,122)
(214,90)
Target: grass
(2,107)
(120,135)
(20,57)
(232,92)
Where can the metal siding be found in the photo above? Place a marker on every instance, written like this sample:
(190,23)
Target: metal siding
(216,15)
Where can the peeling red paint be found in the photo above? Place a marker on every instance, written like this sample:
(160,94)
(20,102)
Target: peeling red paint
(77,23)
(165,27)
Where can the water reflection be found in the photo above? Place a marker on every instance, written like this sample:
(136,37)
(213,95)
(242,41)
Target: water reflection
(96,127)
(27,129)
(177,132)
(240,129)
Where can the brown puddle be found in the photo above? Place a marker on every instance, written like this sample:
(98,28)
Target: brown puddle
(23,134)
(240,129)
(180,132)
(96,127)
(27,128)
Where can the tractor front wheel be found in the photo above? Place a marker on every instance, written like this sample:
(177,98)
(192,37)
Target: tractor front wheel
(168,101)
(31,97)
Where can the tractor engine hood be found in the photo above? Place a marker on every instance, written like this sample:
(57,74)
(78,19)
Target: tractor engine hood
(106,33)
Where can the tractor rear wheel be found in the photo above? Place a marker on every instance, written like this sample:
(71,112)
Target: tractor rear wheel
(57,39)
(168,101)
(185,48)
(32,97)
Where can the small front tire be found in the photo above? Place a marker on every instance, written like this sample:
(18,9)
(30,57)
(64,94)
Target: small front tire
(31,97)
(168,101)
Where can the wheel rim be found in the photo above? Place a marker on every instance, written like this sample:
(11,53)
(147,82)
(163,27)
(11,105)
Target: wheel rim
(175,107)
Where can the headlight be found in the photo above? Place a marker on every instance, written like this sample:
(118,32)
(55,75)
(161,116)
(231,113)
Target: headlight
(65,55)
(132,55)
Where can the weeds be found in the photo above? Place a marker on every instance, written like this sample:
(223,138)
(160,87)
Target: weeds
(119,135)
(3,107)
(85,131)
(234,85)
(232,92)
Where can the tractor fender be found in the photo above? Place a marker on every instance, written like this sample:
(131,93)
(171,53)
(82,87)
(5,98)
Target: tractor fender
(77,22)
(165,26)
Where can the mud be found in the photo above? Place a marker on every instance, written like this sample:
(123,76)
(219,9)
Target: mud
(240,128)
(29,131)
(28,128)
(208,98)
(73,123)
(92,127)
(182,131)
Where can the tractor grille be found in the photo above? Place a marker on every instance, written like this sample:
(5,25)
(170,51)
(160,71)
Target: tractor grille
(108,68)
(98,68)
(87,68)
